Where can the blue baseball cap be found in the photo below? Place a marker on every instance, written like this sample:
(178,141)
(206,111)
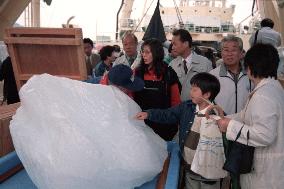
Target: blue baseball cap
(122,75)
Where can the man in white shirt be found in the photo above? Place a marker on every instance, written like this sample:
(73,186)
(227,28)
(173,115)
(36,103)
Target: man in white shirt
(266,34)
(91,58)
(130,57)
(235,84)
(188,63)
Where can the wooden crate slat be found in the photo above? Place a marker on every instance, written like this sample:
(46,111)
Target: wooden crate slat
(56,51)
(44,31)
(42,41)
(6,113)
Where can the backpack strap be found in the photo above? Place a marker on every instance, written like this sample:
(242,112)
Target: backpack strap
(255,37)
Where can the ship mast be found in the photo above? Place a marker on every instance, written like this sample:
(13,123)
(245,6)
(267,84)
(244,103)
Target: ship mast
(125,23)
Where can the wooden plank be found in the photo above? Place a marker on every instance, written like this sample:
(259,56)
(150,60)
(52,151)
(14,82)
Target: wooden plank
(42,41)
(14,59)
(6,113)
(10,173)
(80,58)
(7,139)
(56,51)
(8,108)
(43,31)
(163,175)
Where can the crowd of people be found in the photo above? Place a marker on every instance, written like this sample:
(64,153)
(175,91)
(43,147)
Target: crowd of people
(175,90)
(181,85)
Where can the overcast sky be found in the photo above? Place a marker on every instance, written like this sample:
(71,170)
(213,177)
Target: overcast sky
(98,17)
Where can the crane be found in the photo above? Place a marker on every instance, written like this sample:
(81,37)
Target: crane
(181,24)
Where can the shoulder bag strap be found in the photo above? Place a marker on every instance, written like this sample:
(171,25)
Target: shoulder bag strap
(239,133)
(255,37)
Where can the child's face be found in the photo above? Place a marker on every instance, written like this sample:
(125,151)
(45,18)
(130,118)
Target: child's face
(196,95)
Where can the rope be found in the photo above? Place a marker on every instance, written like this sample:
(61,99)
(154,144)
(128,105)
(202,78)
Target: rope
(143,16)
(253,4)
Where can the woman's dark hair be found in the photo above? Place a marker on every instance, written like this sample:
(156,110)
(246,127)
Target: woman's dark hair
(262,60)
(207,83)
(106,51)
(157,51)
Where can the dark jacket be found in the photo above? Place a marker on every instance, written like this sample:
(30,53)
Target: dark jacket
(183,114)
(101,68)
(10,91)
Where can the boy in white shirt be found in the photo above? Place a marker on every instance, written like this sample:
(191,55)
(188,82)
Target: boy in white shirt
(202,149)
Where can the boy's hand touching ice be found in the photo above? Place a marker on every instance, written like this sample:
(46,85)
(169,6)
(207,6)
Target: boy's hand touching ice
(141,115)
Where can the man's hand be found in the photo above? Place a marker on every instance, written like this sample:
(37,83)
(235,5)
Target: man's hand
(223,124)
(222,121)
(141,115)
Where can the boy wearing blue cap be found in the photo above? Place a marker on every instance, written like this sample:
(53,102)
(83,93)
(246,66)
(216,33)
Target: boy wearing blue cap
(123,77)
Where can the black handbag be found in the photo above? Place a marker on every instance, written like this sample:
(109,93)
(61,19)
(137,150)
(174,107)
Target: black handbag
(239,159)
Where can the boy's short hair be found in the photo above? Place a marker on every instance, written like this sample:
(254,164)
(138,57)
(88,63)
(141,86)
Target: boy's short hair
(207,83)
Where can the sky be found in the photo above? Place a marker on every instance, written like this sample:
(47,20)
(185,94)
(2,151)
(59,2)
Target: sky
(98,17)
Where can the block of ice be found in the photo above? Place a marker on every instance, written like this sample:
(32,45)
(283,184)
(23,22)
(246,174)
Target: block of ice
(70,134)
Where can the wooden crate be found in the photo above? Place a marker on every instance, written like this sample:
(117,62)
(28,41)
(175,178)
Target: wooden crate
(6,113)
(57,51)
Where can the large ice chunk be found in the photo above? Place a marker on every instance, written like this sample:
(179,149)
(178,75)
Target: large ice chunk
(71,134)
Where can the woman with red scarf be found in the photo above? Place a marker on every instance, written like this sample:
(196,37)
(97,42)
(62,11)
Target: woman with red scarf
(161,85)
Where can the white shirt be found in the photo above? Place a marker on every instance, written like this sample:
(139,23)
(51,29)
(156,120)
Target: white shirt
(266,35)
(188,60)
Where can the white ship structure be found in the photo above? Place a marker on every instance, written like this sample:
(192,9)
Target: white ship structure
(208,21)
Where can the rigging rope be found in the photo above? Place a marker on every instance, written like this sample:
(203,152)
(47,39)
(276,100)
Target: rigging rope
(143,17)
(253,4)
(181,25)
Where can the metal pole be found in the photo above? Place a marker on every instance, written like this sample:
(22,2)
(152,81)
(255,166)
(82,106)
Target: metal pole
(35,13)
(117,18)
